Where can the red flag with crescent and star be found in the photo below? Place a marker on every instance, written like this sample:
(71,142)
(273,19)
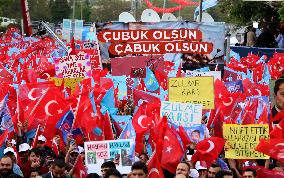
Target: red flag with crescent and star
(172,152)
(208,150)
(273,148)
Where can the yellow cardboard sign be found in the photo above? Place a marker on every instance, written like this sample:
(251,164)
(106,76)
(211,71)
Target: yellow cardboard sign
(241,140)
(68,82)
(194,90)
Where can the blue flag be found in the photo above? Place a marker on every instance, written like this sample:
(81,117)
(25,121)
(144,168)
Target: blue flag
(6,120)
(107,103)
(128,132)
(205,5)
(150,80)
(121,120)
(66,124)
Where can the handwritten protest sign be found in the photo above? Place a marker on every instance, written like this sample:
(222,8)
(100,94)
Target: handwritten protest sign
(215,74)
(243,139)
(73,66)
(97,152)
(194,90)
(182,114)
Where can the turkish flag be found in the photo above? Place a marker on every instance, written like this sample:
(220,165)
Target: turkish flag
(184,137)
(154,167)
(255,89)
(142,95)
(225,99)
(250,111)
(47,110)
(162,79)
(108,133)
(278,116)
(44,68)
(141,121)
(264,173)
(263,118)
(278,131)
(156,137)
(3,136)
(79,168)
(172,151)
(215,122)
(273,148)
(208,150)
(5,76)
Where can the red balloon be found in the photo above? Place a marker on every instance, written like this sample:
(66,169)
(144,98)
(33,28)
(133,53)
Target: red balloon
(163,10)
(186,3)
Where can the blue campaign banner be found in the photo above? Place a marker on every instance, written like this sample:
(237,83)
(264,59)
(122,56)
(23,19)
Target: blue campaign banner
(243,51)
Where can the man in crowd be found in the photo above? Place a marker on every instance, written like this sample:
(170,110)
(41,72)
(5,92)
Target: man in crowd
(113,173)
(6,168)
(58,169)
(139,170)
(106,166)
(201,168)
(183,168)
(278,96)
(213,170)
(249,173)
(33,162)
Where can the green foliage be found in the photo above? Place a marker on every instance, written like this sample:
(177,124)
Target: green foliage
(103,11)
(281,12)
(60,9)
(11,9)
(39,10)
(83,10)
(243,12)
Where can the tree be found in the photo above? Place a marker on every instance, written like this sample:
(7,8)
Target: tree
(83,10)
(39,10)
(243,12)
(281,12)
(11,9)
(109,10)
(60,9)
(103,11)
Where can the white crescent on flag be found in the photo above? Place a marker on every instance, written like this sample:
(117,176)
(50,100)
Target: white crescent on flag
(30,94)
(211,147)
(46,107)
(140,119)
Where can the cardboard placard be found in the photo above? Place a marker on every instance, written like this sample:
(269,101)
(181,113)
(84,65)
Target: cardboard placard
(243,139)
(195,90)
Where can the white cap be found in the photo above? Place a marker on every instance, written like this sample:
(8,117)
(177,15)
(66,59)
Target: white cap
(199,166)
(13,142)
(24,147)
(80,149)
(10,149)
(41,138)
(194,173)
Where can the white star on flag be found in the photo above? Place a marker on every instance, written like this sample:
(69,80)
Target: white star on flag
(43,91)
(93,114)
(60,111)
(169,148)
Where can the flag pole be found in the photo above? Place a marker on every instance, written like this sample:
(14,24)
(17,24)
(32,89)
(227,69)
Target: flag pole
(200,10)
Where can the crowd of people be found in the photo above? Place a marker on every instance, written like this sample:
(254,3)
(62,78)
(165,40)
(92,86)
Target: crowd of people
(38,158)
(268,35)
